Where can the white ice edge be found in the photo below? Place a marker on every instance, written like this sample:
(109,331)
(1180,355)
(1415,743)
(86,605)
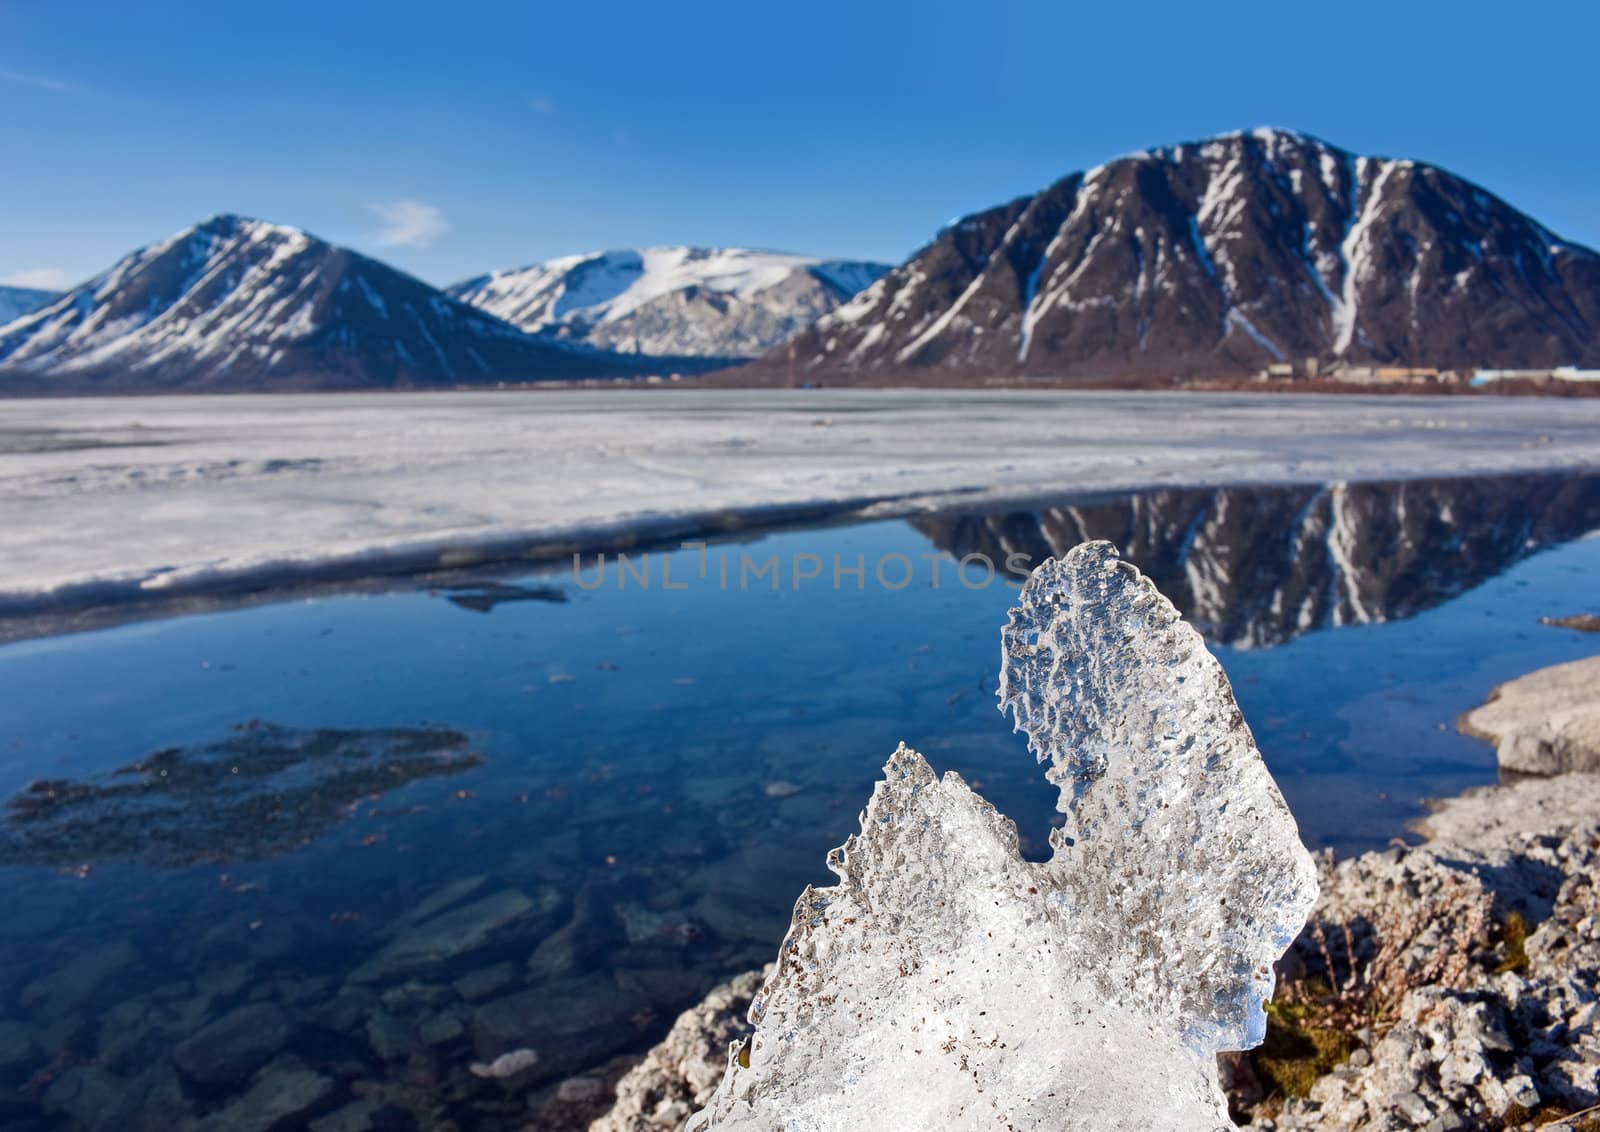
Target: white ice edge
(199,494)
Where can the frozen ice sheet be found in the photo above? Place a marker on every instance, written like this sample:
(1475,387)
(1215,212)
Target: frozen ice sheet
(105,499)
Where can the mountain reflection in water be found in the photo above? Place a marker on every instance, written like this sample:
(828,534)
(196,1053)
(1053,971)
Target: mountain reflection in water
(1257,566)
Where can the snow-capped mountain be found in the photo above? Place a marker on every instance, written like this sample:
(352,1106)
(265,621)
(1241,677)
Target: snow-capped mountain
(703,302)
(1258,566)
(18,301)
(1220,257)
(234,303)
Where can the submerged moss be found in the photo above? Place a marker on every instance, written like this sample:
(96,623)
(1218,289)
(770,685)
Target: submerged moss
(262,791)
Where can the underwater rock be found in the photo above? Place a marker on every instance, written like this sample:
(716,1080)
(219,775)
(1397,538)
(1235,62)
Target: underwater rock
(455,933)
(440,1029)
(581,1090)
(357,1116)
(263,791)
(582,942)
(89,1095)
(650,925)
(447,895)
(75,982)
(280,1098)
(485,981)
(140,1031)
(945,982)
(18,1046)
(506,1065)
(229,1050)
(574,1024)
(391,1038)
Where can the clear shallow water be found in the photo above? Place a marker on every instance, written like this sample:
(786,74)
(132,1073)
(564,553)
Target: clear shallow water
(662,771)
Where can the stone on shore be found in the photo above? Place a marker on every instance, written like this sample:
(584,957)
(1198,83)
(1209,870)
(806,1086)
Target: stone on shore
(1547,722)
(1487,942)
(680,1074)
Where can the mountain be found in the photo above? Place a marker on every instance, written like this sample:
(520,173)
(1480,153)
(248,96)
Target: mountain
(237,304)
(18,301)
(1259,566)
(1220,257)
(703,302)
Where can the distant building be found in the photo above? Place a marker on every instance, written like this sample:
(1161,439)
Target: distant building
(1381,375)
(1304,368)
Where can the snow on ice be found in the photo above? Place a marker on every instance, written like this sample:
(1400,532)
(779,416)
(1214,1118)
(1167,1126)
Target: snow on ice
(109,500)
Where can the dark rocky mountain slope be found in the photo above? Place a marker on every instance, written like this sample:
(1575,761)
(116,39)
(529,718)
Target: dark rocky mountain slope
(1217,258)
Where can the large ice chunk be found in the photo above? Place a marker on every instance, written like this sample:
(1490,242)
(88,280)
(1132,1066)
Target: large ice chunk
(1179,861)
(946,983)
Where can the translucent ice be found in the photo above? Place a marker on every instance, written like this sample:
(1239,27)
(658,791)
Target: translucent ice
(946,983)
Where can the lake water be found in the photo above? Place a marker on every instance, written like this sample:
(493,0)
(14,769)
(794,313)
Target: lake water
(368,840)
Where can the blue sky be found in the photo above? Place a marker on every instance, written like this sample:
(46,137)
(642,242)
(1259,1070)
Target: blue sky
(451,139)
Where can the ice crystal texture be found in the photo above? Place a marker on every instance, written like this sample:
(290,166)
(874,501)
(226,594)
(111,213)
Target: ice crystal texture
(945,982)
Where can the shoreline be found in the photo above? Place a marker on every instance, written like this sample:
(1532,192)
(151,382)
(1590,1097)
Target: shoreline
(442,564)
(1446,985)
(1520,853)
(191,499)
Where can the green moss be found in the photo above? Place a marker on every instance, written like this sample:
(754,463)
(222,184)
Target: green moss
(1515,1116)
(1514,935)
(1300,1047)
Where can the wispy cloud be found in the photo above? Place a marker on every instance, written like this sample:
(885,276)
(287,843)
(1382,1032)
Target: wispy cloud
(409,223)
(42,82)
(44,278)
(542,104)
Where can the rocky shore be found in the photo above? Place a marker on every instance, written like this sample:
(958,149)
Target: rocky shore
(1449,985)
(1547,722)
